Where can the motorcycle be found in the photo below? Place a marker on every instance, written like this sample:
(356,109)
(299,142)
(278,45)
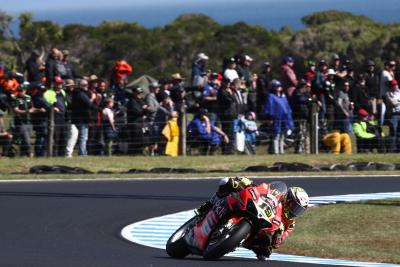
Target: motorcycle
(233,221)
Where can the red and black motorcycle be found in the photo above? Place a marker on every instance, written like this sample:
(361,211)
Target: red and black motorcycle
(232,222)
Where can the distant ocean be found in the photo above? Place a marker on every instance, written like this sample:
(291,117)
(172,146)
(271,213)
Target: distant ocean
(269,14)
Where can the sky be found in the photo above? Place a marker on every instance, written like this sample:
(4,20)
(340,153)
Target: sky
(272,14)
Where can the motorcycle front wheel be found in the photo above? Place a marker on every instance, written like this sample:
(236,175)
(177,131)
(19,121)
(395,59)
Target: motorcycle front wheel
(176,246)
(226,240)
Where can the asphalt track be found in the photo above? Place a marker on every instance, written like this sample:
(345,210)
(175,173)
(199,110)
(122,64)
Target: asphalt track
(78,223)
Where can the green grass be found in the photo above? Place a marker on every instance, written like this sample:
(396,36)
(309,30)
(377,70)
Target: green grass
(233,163)
(363,231)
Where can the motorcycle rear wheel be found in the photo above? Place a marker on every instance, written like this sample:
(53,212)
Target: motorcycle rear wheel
(176,246)
(228,241)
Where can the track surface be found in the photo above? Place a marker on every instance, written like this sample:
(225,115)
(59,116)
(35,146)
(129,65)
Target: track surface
(78,223)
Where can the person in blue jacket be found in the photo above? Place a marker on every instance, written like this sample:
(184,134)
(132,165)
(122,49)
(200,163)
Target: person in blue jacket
(207,136)
(278,110)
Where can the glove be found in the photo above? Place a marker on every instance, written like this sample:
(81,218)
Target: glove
(277,238)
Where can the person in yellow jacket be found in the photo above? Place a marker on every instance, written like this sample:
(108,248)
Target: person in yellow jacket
(171,133)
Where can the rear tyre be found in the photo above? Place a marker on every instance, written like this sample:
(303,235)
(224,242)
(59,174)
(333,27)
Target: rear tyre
(227,241)
(176,245)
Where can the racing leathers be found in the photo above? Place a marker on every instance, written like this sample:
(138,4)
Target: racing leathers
(264,241)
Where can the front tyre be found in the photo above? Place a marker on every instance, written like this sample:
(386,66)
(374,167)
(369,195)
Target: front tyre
(176,245)
(227,241)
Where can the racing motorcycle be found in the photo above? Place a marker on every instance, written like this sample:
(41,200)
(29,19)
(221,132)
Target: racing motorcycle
(233,221)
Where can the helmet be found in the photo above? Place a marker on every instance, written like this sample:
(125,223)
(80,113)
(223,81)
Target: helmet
(296,202)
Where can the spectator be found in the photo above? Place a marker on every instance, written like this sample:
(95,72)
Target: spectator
(70,72)
(171,133)
(241,104)
(51,66)
(335,63)
(263,87)
(369,134)
(199,77)
(136,114)
(359,95)
(72,130)
(372,83)
(208,136)
(310,74)
(95,145)
(163,113)
(40,119)
(338,142)
(251,132)
(209,97)
(250,81)
(178,92)
(57,98)
(329,99)
(154,105)
(302,101)
(230,72)
(108,126)
(23,109)
(81,107)
(6,138)
(317,87)
(387,75)
(393,102)
(344,109)
(278,110)
(34,67)
(288,77)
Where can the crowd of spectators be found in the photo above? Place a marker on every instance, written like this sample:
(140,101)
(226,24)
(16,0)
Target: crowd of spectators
(234,108)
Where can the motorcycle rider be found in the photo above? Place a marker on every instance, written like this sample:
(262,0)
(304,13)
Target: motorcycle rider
(293,200)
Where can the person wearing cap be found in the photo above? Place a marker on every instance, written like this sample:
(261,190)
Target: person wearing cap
(137,111)
(369,134)
(56,97)
(40,118)
(245,74)
(277,109)
(170,132)
(151,100)
(199,67)
(393,109)
(230,72)
(330,90)
(335,62)
(23,109)
(81,107)
(263,87)
(178,92)
(72,130)
(372,83)
(33,67)
(288,77)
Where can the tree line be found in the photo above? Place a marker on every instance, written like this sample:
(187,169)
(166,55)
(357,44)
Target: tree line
(161,51)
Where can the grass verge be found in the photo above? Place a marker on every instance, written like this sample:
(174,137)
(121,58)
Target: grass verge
(362,231)
(234,163)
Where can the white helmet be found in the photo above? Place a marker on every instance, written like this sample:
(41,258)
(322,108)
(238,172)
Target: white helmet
(296,202)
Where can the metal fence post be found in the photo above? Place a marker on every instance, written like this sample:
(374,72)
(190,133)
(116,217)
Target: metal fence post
(314,129)
(182,131)
(50,136)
